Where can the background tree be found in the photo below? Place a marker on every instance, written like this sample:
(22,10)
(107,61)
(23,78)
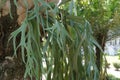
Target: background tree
(102,17)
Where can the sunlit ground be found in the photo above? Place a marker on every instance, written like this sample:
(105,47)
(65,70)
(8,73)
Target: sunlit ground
(112,70)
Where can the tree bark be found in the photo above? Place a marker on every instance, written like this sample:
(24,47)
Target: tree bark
(10,68)
(101,39)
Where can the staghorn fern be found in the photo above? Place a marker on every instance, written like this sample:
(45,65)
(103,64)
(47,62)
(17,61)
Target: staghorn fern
(69,42)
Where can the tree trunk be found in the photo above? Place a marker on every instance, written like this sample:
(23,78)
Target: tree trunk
(101,39)
(10,68)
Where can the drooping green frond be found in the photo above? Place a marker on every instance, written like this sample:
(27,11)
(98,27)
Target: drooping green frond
(56,43)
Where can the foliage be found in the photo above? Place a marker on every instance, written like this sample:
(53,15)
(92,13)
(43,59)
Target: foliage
(56,45)
(111,77)
(61,37)
(103,16)
(116,65)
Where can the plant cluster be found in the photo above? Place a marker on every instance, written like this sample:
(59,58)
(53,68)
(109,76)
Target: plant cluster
(54,43)
(111,77)
(54,40)
(117,66)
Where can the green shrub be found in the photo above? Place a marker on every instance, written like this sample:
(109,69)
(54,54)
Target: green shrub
(111,77)
(116,65)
